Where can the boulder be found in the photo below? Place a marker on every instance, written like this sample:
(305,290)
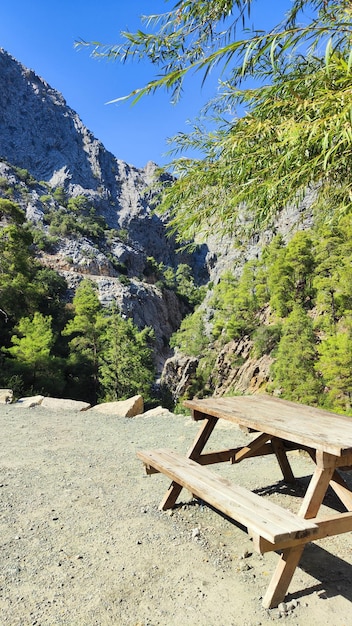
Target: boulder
(6,396)
(58,404)
(178,373)
(28,403)
(157,412)
(122,408)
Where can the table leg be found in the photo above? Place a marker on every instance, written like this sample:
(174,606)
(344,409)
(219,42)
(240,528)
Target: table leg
(207,427)
(290,557)
(282,577)
(342,491)
(316,491)
(282,459)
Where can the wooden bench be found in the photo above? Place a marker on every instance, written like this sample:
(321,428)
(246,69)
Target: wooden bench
(261,517)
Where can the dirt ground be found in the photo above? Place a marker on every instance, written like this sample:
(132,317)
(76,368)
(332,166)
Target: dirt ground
(82,542)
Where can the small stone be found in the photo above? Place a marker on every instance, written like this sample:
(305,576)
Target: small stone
(246,554)
(195,533)
(282,608)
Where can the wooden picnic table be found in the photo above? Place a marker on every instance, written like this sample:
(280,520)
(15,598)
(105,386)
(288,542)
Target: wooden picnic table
(278,426)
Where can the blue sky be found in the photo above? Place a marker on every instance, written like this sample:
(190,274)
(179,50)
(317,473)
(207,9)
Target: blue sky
(41,35)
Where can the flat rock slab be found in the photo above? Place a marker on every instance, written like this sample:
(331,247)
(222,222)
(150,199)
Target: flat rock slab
(158,411)
(122,408)
(6,396)
(56,404)
(29,402)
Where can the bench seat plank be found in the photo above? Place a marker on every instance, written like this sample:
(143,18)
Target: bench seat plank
(259,515)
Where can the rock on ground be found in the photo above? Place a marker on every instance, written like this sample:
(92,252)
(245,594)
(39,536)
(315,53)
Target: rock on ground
(121,408)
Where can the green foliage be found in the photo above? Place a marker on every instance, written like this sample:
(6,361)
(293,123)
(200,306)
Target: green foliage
(293,372)
(265,339)
(85,330)
(11,210)
(295,304)
(77,216)
(290,275)
(294,82)
(31,352)
(24,175)
(332,279)
(191,338)
(60,195)
(180,280)
(109,358)
(125,361)
(111,234)
(335,366)
(17,270)
(237,302)
(42,240)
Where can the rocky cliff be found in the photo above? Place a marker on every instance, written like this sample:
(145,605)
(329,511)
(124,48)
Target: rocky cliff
(40,135)
(47,154)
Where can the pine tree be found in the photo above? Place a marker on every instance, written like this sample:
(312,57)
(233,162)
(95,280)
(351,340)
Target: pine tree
(335,365)
(125,359)
(31,351)
(86,329)
(293,373)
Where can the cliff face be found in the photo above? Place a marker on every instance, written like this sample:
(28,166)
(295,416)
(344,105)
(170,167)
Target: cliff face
(39,133)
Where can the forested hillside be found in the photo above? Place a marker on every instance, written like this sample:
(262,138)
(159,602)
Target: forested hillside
(57,343)
(294,305)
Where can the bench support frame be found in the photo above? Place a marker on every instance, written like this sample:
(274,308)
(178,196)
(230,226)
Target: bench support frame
(325,474)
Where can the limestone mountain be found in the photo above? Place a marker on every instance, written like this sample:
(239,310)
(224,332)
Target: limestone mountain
(44,142)
(93,215)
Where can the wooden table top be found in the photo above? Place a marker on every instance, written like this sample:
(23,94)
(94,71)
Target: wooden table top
(298,423)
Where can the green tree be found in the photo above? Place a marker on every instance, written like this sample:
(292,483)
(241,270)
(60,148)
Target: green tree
(32,354)
(85,328)
(290,274)
(11,210)
(293,372)
(335,365)
(296,132)
(17,270)
(333,274)
(191,337)
(125,360)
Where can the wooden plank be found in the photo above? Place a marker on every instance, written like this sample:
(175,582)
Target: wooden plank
(282,577)
(316,491)
(221,456)
(308,426)
(247,508)
(254,445)
(202,437)
(328,527)
(282,459)
(342,491)
(200,440)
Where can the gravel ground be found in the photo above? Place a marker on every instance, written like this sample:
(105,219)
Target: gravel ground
(82,542)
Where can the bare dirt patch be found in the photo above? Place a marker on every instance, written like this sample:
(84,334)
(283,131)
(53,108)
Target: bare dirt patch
(82,542)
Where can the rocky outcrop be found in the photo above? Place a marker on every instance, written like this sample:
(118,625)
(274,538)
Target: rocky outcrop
(236,371)
(45,146)
(121,408)
(177,375)
(6,396)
